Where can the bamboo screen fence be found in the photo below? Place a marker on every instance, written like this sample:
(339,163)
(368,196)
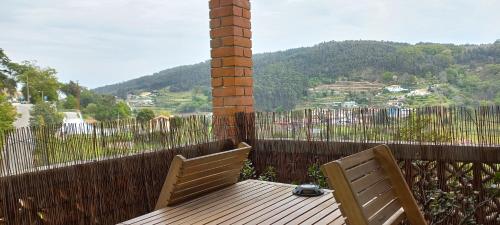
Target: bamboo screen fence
(107,173)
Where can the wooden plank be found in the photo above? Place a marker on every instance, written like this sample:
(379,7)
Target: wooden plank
(367,181)
(270,213)
(168,185)
(304,209)
(387,212)
(343,192)
(247,208)
(373,191)
(333,218)
(222,206)
(374,206)
(218,169)
(199,202)
(254,212)
(206,179)
(256,215)
(197,191)
(329,204)
(236,206)
(355,159)
(400,187)
(362,169)
(189,211)
(213,164)
(298,207)
(236,153)
(321,214)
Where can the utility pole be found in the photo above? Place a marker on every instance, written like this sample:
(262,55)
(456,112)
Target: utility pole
(78,95)
(28,88)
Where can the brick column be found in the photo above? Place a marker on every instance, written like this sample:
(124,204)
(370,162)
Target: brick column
(230,33)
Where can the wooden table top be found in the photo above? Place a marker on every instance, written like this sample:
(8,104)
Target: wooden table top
(249,202)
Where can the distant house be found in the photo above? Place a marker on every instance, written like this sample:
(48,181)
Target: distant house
(395,89)
(349,104)
(419,92)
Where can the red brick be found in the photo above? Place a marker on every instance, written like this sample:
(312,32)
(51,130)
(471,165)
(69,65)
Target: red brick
(241,3)
(226,72)
(214,4)
(247,33)
(249,91)
(214,23)
(240,91)
(237,61)
(248,72)
(243,81)
(216,82)
(227,51)
(228,81)
(247,52)
(237,41)
(216,63)
(226,31)
(235,21)
(215,43)
(218,101)
(226,11)
(223,91)
(246,14)
(224,111)
(238,101)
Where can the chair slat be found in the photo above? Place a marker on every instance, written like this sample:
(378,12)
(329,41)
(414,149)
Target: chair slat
(356,159)
(362,169)
(378,203)
(210,178)
(207,166)
(201,190)
(198,175)
(373,191)
(387,212)
(367,181)
(216,156)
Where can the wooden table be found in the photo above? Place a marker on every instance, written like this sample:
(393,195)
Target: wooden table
(249,202)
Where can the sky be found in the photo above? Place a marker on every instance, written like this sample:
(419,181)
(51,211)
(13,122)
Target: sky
(99,42)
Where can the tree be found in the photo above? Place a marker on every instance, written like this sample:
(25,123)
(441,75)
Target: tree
(39,82)
(145,115)
(7,73)
(71,88)
(43,114)
(8,114)
(387,77)
(70,102)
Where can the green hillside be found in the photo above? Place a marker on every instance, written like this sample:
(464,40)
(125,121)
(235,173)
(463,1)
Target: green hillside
(455,74)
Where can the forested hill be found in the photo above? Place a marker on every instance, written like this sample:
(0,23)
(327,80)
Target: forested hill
(283,78)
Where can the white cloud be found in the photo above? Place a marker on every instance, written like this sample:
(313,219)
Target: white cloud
(104,41)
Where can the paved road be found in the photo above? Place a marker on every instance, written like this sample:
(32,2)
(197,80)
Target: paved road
(24,111)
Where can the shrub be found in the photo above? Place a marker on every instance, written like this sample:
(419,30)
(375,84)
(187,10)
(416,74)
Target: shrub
(269,174)
(315,173)
(248,171)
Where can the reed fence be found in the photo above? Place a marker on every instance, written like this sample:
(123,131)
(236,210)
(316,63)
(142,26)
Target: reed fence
(110,172)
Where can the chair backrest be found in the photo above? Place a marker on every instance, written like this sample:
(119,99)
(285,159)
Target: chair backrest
(371,189)
(190,178)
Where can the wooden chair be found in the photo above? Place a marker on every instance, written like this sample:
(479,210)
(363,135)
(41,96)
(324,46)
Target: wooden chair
(371,189)
(191,178)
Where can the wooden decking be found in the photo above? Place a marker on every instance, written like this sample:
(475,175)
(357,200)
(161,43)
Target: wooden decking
(249,202)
